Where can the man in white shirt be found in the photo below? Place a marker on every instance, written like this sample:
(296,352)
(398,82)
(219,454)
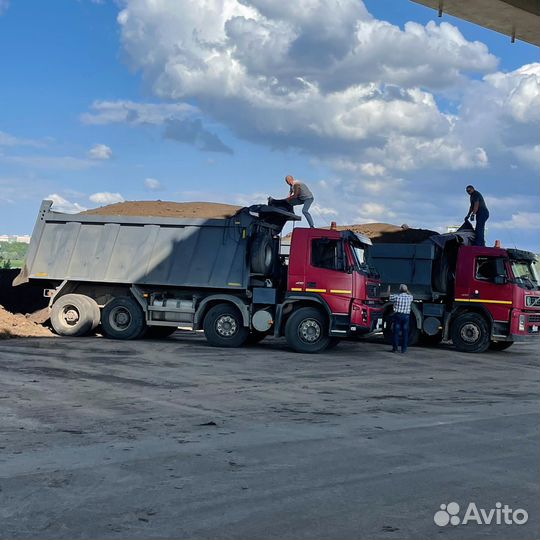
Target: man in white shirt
(402,313)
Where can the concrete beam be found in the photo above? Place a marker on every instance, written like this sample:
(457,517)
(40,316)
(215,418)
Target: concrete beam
(519,19)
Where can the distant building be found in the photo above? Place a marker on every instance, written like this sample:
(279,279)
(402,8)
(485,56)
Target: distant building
(23,238)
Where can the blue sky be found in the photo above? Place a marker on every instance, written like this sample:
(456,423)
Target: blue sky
(386,121)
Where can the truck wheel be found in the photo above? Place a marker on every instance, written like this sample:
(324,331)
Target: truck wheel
(500,345)
(470,333)
(123,318)
(223,326)
(262,255)
(73,315)
(306,331)
(388,329)
(96,313)
(160,332)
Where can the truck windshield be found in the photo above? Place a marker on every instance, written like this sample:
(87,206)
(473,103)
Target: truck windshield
(359,253)
(525,273)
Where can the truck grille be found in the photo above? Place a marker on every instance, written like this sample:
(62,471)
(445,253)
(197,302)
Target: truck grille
(532,301)
(534,318)
(373,291)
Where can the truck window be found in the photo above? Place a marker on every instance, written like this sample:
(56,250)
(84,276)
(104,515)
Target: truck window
(486,268)
(326,254)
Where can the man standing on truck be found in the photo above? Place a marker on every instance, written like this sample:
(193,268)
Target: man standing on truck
(402,313)
(299,193)
(478,210)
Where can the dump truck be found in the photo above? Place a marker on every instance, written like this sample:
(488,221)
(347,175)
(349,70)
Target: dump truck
(136,276)
(479,297)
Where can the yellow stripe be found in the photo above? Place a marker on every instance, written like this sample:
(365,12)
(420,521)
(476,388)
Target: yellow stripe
(41,274)
(485,301)
(340,291)
(235,284)
(315,290)
(296,288)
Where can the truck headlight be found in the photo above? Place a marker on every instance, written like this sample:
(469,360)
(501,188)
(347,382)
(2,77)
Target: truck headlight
(522,323)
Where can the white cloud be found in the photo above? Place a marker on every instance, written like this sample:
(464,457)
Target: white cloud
(100,152)
(63,205)
(152,184)
(106,197)
(131,112)
(322,76)
(65,163)
(518,222)
(10,140)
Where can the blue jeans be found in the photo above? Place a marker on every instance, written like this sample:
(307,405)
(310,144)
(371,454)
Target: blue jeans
(401,330)
(481,217)
(305,210)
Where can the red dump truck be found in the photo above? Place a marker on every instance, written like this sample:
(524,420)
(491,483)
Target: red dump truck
(479,297)
(148,275)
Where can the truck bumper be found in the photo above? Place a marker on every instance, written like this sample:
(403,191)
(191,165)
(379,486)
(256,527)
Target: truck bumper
(370,320)
(522,338)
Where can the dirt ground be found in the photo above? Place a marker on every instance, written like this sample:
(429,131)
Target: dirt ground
(175,439)
(202,210)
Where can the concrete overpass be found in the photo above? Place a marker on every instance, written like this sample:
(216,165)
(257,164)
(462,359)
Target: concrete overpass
(519,19)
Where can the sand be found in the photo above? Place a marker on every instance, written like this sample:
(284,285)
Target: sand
(18,325)
(386,233)
(195,210)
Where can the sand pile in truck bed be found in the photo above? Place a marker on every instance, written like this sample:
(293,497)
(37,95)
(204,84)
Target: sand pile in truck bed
(385,233)
(18,325)
(195,210)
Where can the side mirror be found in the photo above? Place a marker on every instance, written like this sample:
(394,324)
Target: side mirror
(500,280)
(349,268)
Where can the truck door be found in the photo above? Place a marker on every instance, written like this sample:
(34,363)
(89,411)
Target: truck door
(328,274)
(490,286)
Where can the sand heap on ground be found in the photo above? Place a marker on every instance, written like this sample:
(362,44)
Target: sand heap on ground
(195,210)
(18,325)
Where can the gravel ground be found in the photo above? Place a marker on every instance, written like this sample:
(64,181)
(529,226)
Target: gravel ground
(174,439)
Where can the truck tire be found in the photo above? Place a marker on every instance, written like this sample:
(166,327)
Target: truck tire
(96,312)
(388,329)
(306,331)
(262,255)
(223,326)
(500,345)
(160,332)
(470,333)
(123,318)
(73,315)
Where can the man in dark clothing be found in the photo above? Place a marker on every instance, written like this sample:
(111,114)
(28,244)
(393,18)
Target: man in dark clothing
(299,193)
(478,210)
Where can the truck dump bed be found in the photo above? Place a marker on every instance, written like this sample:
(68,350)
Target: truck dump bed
(157,251)
(405,263)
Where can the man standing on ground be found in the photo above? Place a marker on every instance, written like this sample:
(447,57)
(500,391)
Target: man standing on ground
(299,193)
(478,210)
(402,313)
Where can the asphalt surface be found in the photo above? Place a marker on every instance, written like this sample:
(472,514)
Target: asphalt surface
(175,439)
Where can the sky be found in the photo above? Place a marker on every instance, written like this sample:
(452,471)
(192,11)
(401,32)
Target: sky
(385,110)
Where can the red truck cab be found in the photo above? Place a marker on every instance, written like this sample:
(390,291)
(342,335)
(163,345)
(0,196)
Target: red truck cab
(501,286)
(328,276)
